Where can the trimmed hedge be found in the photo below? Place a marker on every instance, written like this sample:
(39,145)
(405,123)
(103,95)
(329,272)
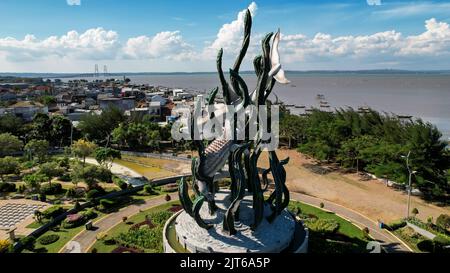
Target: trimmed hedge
(7,187)
(53,212)
(396,225)
(50,189)
(48,239)
(324,226)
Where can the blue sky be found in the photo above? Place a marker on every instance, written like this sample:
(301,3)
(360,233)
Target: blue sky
(176,35)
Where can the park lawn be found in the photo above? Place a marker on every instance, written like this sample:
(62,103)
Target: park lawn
(100,245)
(348,238)
(65,235)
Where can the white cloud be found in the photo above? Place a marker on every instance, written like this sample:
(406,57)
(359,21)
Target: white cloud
(167,45)
(382,47)
(95,43)
(73,2)
(229,36)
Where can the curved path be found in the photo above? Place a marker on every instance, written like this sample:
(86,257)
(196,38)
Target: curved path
(389,242)
(85,239)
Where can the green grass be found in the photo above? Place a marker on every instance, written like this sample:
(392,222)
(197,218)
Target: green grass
(100,245)
(65,236)
(410,237)
(348,238)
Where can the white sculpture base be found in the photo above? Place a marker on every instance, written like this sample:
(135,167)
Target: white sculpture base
(268,238)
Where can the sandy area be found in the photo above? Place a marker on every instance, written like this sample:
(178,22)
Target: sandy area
(371,198)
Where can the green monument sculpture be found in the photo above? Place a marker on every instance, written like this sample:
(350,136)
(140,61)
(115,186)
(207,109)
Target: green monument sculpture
(242,155)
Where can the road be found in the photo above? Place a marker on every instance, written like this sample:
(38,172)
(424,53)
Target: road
(389,242)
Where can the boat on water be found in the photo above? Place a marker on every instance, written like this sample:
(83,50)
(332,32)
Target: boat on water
(300,106)
(290,105)
(404,117)
(320,97)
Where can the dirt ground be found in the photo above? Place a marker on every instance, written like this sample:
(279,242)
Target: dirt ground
(371,198)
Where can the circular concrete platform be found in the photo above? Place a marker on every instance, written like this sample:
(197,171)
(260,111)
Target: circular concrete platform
(268,238)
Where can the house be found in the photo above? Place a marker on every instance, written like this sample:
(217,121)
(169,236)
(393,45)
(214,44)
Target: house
(123,104)
(26,109)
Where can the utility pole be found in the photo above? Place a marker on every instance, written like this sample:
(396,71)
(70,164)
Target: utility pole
(409,183)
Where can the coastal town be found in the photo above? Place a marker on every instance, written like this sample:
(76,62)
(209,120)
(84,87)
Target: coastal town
(75,98)
(135,162)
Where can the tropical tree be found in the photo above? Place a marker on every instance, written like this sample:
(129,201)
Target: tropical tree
(9,144)
(106,156)
(34,181)
(98,128)
(37,148)
(83,148)
(8,165)
(50,170)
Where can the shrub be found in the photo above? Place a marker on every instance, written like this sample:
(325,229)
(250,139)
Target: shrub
(65,178)
(426,246)
(90,214)
(53,212)
(322,205)
(324,226)
(71,193)
(443,221)
(168,198)
(122,185)
(74,221)
(396,225)
(28,242)
(77,206)
(94,251)
(159,218)
(51,189)
(94,193)
(7,187)
(124,219)
(42,197)
(415,211)
(4,245)
(366,232)
(148,189)
(440,242)
(48,239)
(106,204)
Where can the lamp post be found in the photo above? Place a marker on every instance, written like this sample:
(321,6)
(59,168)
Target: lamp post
(411,173)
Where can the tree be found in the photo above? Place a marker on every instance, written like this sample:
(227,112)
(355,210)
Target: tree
(41,127)
(91,175)
(9,144)
(106,156)
(10,124)
(61,130)
(415,212)
(50,170)
(83,148)
(98,128)
(8,165)
(443,221)
(34,181)
(350,151)
(37,148)
(137,135)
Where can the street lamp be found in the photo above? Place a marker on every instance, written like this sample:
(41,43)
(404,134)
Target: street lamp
(411,173)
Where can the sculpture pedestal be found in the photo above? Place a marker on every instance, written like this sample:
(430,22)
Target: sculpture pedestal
(281,235)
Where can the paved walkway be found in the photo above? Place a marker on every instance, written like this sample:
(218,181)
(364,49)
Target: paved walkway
(117,169)
(86,239)
(422,231)
(389,242)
